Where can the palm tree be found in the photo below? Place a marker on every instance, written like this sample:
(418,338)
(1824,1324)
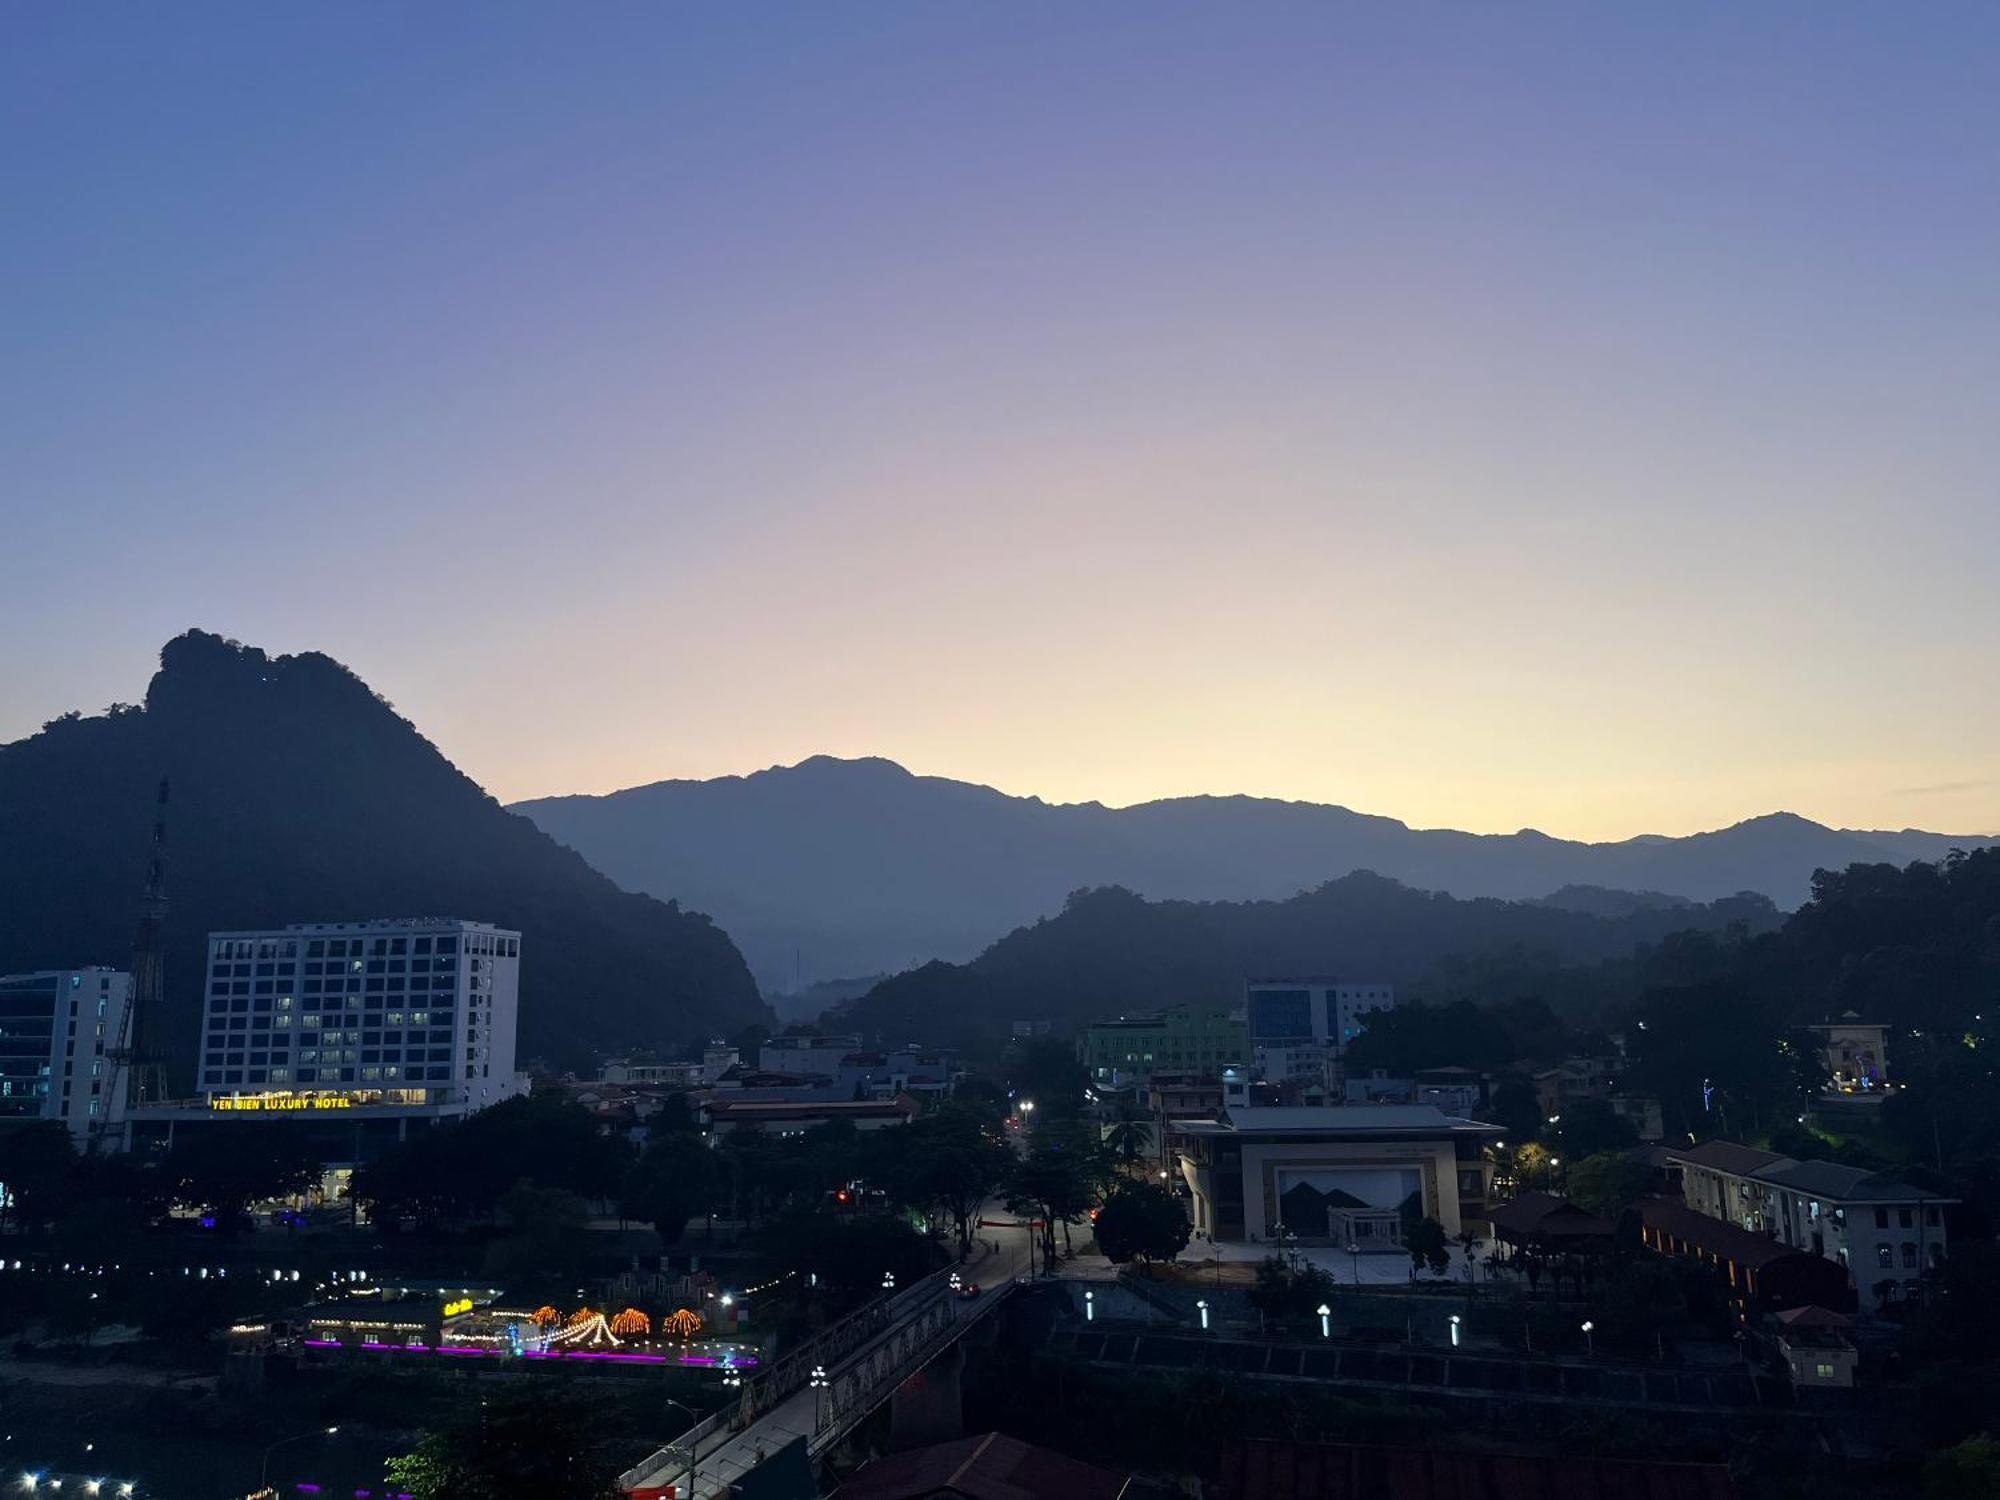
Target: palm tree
(1130,1138)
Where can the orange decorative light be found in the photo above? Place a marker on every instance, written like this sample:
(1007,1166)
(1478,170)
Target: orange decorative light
(544,1315)
(631,1321)
(684,1321)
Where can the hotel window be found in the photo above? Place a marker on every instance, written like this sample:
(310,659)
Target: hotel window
(1884,1257)
(1909,1255)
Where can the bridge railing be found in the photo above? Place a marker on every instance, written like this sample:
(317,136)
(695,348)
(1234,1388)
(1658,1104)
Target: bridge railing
(790,1374)
(858,1390)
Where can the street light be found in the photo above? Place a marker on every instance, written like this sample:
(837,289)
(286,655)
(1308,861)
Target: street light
(1325,1321)
(1454,1330)
(1202,1304)
(1090,1307)
(1354,1260)
(1027,1106)
(819,1383)
(264,1471)
(888,1281)
(1590,1338)
(693,1457)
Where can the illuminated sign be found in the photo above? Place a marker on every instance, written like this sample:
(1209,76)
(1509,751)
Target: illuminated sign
(454,1308)
(279,1101)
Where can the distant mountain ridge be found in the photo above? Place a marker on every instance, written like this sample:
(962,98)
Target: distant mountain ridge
(834,867)
(298,795)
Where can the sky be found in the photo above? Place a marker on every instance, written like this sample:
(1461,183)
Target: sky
(1578,417)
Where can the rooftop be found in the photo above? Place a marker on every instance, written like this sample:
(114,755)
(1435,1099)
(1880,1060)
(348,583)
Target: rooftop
(807,1109)
(1547,1214)
(1262,1469)
(1725,1156)
(1754,1251)
(1350,1119)
(1829,1179)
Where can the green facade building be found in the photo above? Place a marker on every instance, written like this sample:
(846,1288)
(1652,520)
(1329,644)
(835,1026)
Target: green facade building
(1190,1039)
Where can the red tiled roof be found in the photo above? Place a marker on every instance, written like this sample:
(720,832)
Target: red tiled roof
(1343,1471)
(991,1466)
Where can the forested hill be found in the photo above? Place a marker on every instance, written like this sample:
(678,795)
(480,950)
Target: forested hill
(1111,951)
(298,795)
(838,867)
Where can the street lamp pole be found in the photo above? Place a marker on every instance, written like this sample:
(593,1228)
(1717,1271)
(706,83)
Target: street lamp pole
(264,1469)
(1589,1338)
(692,1451)
(819,1384)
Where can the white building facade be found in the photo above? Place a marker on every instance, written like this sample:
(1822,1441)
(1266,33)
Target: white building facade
(411,1011)
(1884,1233)
(58,1028)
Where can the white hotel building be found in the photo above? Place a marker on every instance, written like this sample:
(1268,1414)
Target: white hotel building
(413,1014)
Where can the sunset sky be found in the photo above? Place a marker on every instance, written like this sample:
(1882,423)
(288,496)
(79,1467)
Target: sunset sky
(1580,417)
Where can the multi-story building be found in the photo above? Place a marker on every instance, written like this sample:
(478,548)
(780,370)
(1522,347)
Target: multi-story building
(806,1055)
(1456,1091)
(56,1028)
(1883,1233)
(1300,1028)
(1257,1173)
(1855,1055)
(405,1011)
(1194,1040)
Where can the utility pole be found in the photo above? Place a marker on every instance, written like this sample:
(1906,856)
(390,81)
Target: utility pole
(137,1076)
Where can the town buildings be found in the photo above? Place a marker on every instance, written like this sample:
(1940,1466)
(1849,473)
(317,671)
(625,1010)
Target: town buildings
(1854,1055)
(722,1116)
(1300,1028)
(1256,1173)
(1181,1040)
(1882,1233)
(805,1054)
(56,1028)
(1456,1091)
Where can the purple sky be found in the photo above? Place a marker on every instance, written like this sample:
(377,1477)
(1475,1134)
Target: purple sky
(1572,416)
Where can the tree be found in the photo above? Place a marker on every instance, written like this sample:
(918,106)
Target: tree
(1428,1246)
(1141,1221)
(36,1160)
(1129,1139)
(1608,1183)
(1283,1293)
(1589,1127)
(673,1181)
(1516,1109)
(1055,1184)
(948,1161)
(519,1445)
(463,1169)
(545,1232)
(227,1167)
(1969,1471)
(1044,1070)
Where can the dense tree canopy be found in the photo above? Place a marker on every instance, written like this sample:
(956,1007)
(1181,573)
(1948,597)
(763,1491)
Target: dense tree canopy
(1141,1221)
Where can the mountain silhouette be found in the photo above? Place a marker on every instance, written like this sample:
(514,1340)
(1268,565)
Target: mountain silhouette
(834,868)
(299,795)
(1111,952)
